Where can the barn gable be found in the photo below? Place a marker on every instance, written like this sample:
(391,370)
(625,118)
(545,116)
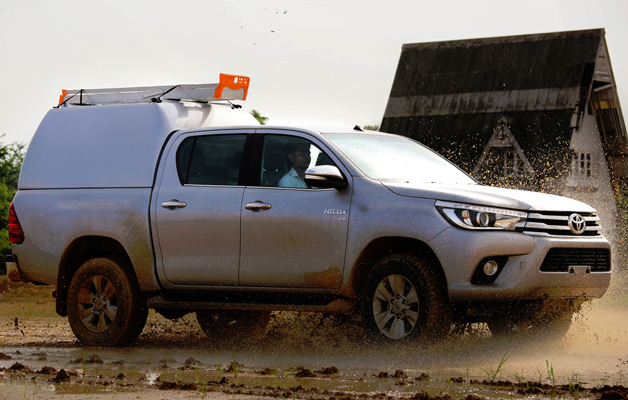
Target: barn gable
(503,156)
(454,95)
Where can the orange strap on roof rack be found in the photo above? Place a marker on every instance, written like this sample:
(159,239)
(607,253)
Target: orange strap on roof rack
(232,86)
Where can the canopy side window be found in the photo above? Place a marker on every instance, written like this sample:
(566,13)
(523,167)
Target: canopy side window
(210,160)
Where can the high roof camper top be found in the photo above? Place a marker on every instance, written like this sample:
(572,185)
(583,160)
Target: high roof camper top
(116,135)
(229,87)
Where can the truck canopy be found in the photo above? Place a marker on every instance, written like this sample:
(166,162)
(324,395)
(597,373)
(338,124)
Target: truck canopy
(113,145)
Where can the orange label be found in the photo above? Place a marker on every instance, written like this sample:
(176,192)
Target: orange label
(63,94)
(237,85)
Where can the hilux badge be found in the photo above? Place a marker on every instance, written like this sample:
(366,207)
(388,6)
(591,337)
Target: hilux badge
(335,211)
(576,223)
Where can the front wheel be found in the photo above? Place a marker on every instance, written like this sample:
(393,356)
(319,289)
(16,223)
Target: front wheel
(403,300)
(105,306)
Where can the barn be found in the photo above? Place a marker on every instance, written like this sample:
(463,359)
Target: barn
(538,111)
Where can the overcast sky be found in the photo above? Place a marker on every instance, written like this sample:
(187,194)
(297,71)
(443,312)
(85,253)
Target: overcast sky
(322,62)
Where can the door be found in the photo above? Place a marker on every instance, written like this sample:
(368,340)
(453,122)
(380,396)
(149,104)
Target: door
(197,210)
(292,235)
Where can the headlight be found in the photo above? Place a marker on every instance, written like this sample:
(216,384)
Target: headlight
(470,216)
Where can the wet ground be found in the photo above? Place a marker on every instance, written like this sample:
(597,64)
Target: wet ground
(306,356)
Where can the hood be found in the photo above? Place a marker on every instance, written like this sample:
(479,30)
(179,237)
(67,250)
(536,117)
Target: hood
(490,196)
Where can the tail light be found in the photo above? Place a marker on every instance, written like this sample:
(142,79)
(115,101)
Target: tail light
(16,234)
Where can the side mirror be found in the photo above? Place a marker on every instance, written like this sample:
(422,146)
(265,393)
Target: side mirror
(325,177)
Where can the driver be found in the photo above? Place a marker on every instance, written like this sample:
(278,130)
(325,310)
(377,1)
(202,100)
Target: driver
(298,160)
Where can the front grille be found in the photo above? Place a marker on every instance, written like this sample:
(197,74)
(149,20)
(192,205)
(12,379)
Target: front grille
(560,259)
(554,223)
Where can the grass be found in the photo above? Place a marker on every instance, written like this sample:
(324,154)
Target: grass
(599,384)
(520,377)
(235,367)
(218,365)
(27,309)
(21,290)
(492,373)
(574,387)
(282,373)
(620,367)
(550,372)
(25,300)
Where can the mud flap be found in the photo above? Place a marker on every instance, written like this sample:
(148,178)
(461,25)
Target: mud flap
(13,270)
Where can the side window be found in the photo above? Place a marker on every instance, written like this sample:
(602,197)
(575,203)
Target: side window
(285,160)
(210,160)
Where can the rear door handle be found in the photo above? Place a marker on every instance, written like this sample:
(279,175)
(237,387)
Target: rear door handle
(172,204)
(257,205)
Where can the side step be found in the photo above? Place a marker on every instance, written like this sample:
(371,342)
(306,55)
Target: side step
(342,306)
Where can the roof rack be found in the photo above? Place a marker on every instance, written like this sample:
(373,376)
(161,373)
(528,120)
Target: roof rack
(230,87)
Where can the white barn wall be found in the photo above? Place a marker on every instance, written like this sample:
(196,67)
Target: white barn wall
(597,189)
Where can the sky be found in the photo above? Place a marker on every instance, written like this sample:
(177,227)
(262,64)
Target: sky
(315,62)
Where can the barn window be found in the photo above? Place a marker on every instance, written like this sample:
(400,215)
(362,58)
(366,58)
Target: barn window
(513,166)
(581,165)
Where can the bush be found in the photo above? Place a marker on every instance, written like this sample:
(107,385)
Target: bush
(11,157)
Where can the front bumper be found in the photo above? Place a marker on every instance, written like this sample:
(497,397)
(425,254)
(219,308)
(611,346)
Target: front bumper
(460,252)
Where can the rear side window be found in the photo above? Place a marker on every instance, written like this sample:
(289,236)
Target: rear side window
(210,160)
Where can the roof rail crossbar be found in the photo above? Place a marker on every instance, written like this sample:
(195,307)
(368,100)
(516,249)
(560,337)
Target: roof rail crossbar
(230,87)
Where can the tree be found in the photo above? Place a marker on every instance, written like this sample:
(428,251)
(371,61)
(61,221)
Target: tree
(5,202)
(11,157)
(258,117)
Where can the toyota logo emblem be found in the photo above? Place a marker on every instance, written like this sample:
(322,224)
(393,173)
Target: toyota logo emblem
(576,223)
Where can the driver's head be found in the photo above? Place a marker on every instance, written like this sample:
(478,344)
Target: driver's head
(299,156)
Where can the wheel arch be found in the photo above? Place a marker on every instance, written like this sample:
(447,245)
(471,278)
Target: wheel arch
(385,246)
(80,250)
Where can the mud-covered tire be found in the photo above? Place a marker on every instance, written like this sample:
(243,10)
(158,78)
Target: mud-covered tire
(403,300)
(233,326)
(105,306)
(546,319)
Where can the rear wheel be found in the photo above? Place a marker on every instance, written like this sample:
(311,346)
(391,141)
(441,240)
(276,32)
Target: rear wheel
(105,306)
(403,300)
(231,326)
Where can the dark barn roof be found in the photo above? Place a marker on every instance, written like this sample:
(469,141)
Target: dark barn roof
(451,95)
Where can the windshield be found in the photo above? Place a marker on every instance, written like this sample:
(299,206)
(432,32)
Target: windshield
(391,158)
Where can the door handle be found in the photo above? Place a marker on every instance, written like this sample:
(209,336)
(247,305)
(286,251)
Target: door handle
(172,204)
(257,205)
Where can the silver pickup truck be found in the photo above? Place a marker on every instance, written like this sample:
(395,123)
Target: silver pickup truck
(190,206)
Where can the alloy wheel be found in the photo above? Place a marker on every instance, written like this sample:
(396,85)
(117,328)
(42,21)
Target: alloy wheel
(97,303)
(395,306)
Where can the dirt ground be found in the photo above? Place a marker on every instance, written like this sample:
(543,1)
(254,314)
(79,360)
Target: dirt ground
(306,355)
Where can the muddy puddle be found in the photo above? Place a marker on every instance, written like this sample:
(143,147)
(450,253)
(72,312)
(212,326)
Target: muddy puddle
(315,357)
